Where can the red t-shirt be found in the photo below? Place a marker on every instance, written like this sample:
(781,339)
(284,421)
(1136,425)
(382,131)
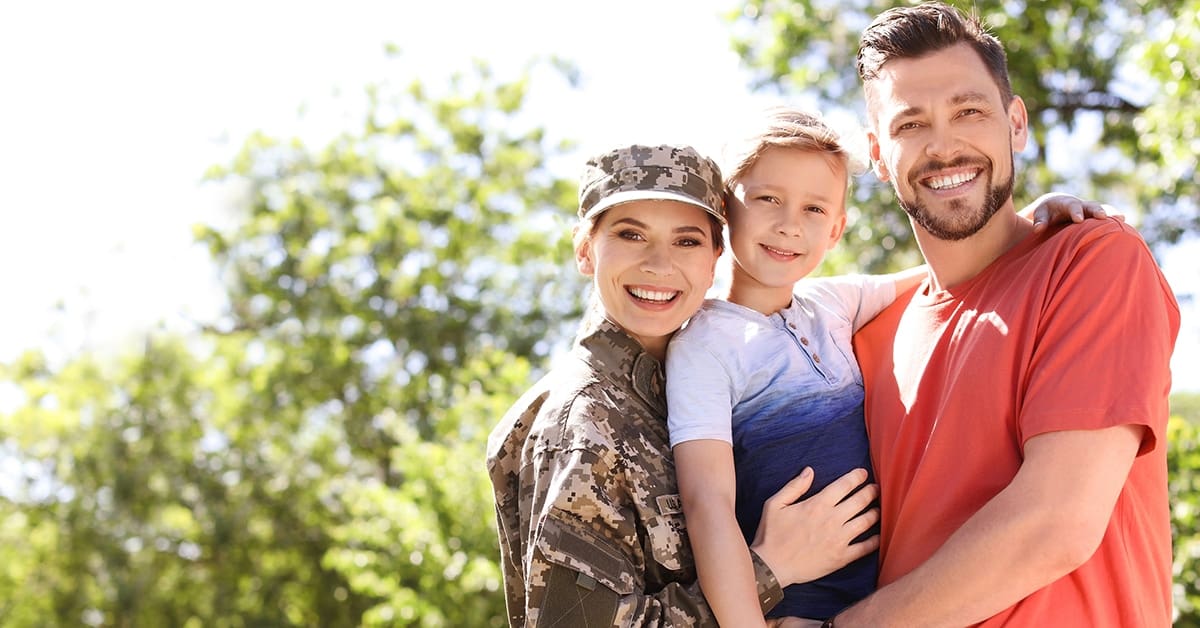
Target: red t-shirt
(1067,330)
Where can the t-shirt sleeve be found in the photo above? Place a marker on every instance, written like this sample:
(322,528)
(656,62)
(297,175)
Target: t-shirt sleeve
(857,298)
(699,392)
(1104,342)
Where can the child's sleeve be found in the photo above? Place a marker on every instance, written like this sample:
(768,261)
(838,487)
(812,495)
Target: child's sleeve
(699,392)
(857,298)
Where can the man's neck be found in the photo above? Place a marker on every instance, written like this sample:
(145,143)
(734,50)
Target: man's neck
(954,262)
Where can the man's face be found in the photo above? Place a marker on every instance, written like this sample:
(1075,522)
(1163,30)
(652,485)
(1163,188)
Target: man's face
(942,135)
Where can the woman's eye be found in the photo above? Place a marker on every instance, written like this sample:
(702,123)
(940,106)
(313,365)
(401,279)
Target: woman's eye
(629,234)
(689,242)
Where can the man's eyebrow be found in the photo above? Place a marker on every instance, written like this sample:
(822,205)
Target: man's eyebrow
(972,96)
(968,97)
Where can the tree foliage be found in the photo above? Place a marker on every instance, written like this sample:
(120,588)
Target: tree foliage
(314,457)
(1124,71)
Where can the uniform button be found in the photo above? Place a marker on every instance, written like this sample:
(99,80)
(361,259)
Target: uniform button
(792,325)
(804,341)
(817,359)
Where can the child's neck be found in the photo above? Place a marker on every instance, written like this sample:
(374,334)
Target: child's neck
(765,300)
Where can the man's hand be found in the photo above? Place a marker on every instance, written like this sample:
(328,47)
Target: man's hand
(793,622)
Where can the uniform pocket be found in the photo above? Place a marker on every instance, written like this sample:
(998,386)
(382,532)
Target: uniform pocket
(667,530)
(580,550)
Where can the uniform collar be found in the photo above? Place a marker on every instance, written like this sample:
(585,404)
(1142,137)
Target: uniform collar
(616,355)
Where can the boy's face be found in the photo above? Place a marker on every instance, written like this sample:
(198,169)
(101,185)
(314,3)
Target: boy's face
(652,262)
(785,213)
(942,135)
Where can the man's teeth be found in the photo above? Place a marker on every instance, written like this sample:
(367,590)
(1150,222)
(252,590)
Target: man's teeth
(652,295)
(941,183)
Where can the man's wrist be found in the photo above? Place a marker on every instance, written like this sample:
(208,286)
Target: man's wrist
(828,623)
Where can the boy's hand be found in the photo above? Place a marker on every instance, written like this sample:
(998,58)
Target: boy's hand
(802,541)
(1056,207)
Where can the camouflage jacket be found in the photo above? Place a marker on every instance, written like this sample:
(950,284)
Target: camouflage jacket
(591,527)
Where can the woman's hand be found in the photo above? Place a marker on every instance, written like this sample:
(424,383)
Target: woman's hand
(802,541)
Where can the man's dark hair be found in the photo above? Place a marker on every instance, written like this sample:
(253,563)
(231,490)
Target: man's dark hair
(911,32)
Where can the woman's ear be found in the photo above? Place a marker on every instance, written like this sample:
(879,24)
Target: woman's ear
(583,257)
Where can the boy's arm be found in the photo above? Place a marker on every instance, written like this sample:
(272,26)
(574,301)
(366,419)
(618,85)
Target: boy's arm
(705,472)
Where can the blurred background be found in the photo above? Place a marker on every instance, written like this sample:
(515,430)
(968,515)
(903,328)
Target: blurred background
(272,270)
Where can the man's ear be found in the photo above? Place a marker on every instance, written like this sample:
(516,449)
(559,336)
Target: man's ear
(1018,121)
(881,170)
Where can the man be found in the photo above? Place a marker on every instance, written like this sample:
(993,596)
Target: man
(1016,402)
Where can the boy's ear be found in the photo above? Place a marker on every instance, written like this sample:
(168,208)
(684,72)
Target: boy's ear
(839,227)
(881,170)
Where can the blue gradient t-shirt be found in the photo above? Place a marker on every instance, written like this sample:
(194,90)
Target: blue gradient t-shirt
(786,392)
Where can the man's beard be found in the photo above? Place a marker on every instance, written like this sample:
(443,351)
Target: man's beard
(961,221)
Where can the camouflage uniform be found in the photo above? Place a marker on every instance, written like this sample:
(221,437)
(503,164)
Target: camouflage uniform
(591,527)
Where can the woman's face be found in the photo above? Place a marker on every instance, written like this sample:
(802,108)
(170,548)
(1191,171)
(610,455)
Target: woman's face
(652,262)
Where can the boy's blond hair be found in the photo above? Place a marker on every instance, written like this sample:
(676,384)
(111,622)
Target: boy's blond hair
(787,127)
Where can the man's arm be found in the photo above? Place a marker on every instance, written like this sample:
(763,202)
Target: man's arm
(1046,523)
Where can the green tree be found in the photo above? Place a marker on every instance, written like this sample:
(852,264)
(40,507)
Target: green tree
(315,457)
(1125,67)
(1183,462)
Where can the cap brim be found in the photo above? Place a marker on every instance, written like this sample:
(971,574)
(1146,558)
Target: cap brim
(647,195)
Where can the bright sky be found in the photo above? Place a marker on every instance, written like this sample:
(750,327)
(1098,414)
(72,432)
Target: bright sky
(112,111)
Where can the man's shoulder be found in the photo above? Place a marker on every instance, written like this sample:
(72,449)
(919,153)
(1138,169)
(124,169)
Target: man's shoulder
(1112,231)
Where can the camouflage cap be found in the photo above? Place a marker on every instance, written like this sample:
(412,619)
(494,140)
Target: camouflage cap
(664,172)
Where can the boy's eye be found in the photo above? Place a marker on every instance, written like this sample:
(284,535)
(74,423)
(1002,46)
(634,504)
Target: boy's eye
(815,209)
(767,198)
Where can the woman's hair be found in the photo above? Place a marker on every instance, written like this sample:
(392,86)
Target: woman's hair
(911,32)
(787,127)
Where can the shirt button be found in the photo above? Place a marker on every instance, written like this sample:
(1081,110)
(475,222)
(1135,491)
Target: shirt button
(817,359)
(792,325)
(804,341)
